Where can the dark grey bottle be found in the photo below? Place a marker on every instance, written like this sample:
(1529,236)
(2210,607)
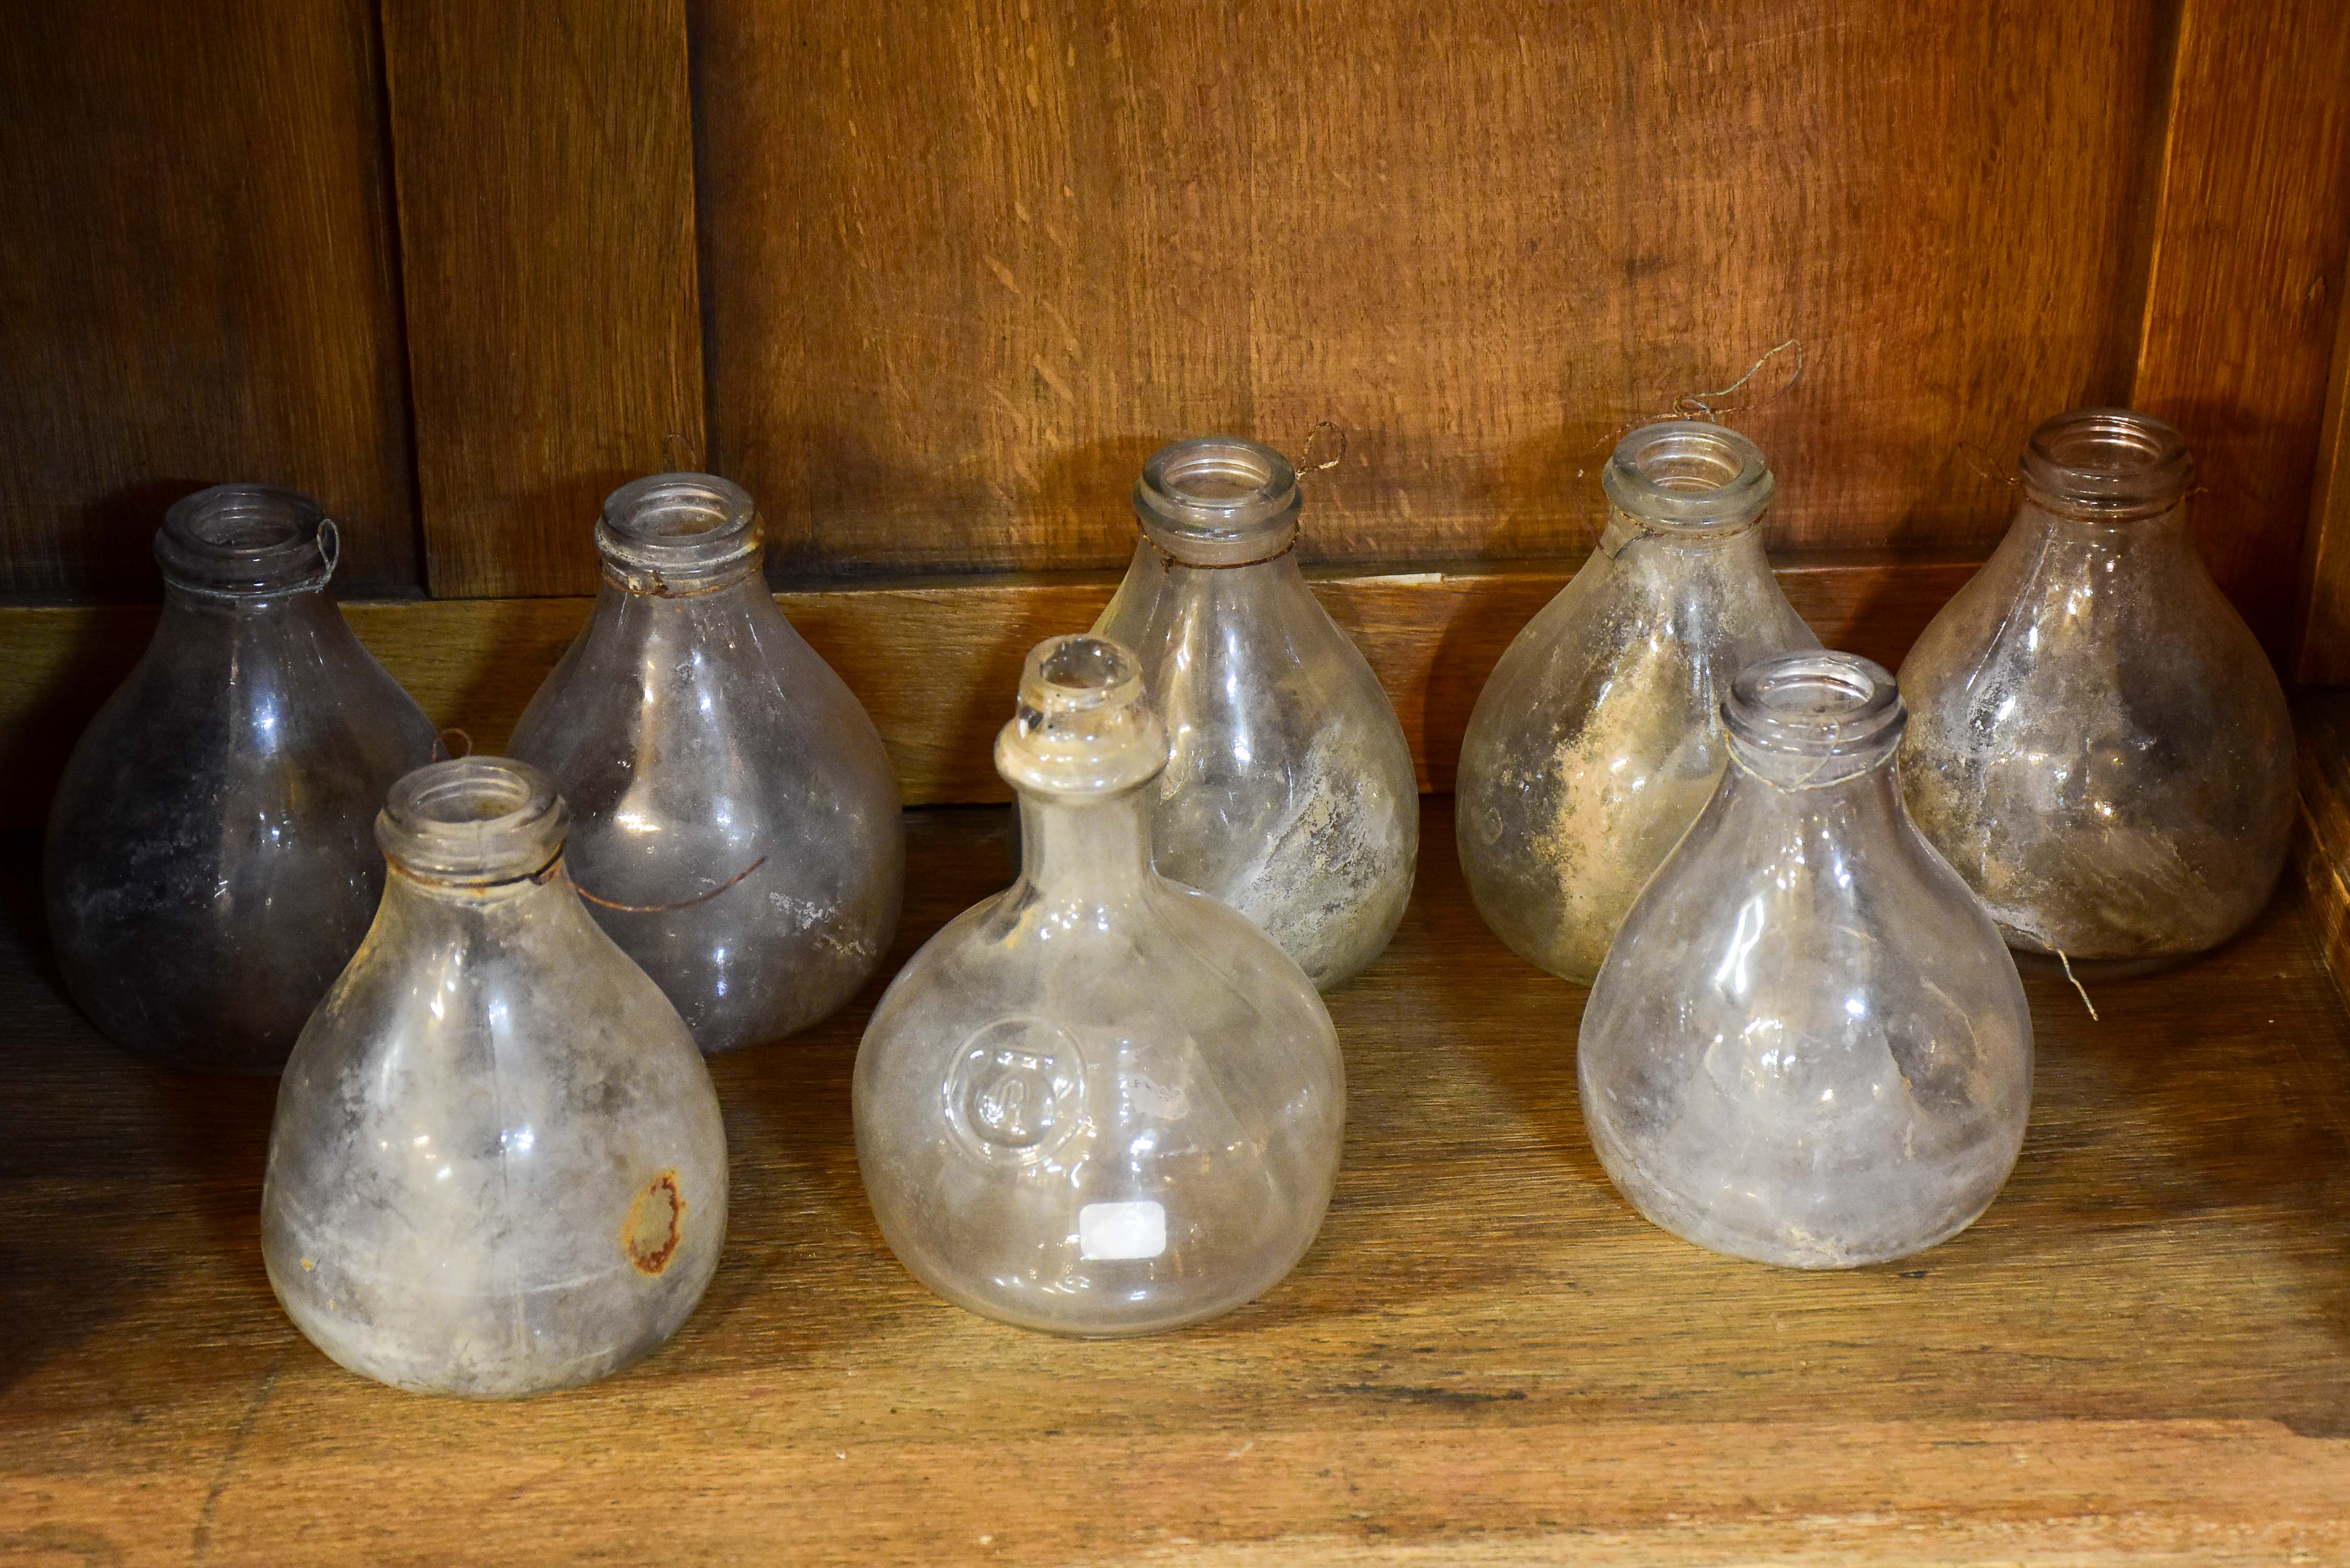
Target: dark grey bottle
(212,863)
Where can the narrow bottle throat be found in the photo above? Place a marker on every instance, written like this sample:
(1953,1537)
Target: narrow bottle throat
(307,600)
(1084,849)
(653,582)
(460,893)
(2106,534)
(1695,541)
(1274,550)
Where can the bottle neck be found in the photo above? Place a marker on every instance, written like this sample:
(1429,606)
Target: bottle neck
(640,617)
(311,609)
(1084,849)
(1783,807)
(2150,540)
(1277,575)
(668,585)
(527,892)
(1733,547)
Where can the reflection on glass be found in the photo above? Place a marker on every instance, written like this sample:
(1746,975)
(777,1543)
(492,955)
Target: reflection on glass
(1808,1044)
(2099,745)
(737,817)
(1289,791)
(1598,738)
(497,1165)
(1098,1102)
(209,866)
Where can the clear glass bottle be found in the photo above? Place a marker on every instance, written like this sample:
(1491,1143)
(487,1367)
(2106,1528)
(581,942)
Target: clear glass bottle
(1098,1102)
(209,868)
(696,734)
(1808,1045)
(1597,739)
(1289,792)
(2098,744)
(497,1166)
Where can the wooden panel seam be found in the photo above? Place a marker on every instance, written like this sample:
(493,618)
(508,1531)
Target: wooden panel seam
(543,163)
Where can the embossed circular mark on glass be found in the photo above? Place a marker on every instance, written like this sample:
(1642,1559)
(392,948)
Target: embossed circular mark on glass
(1017,1090)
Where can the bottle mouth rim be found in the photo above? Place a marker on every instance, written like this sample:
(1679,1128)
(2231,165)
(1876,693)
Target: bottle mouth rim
(244,540)
(1082,724)
(473,822)
(1689,475)
(1218,501)
(2106,464)
(1814,703)
(677,528)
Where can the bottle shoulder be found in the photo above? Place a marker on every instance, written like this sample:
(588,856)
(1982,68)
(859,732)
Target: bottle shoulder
(1629,632)
(220,728)
(1167,962)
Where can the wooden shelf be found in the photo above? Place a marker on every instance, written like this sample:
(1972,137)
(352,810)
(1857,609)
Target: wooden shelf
(2143,1348)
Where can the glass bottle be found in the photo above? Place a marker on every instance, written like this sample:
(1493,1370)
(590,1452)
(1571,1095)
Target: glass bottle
(2100,746)
(1597,739)
(1289,791)
(497,1165)
(695,735)
(208,864)
(1098,1102)
(1808,1045)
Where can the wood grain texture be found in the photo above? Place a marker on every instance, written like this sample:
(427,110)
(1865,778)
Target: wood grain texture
(2320,723)
(198,283)
(2324,622)
(936,667)
(2139,1355)
(2246,278)
(546,163)
(967,270)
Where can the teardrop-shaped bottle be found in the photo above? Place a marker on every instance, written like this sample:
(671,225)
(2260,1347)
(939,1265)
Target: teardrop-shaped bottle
(1098,1102)
(1597,739)
(1289,791)
(497,1165)
(1808,1045)
(209,866)
(696,735)
(2098,745)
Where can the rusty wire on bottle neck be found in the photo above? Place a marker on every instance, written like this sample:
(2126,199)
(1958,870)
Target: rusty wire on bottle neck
(555,873)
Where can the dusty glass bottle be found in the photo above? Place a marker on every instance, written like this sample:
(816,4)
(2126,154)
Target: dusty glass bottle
(1808,1045)
(497,1165)
(1289,791)
(696,734)
(1597,739)
(2098,744)
(209,868)
(1098,1102)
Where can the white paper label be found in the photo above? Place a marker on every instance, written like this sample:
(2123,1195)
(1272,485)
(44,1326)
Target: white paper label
(1111,1231)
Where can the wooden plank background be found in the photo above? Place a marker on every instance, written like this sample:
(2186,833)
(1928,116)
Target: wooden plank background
(198,283)
(546,165)
(967,271)
(934,289)
(2246,281)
